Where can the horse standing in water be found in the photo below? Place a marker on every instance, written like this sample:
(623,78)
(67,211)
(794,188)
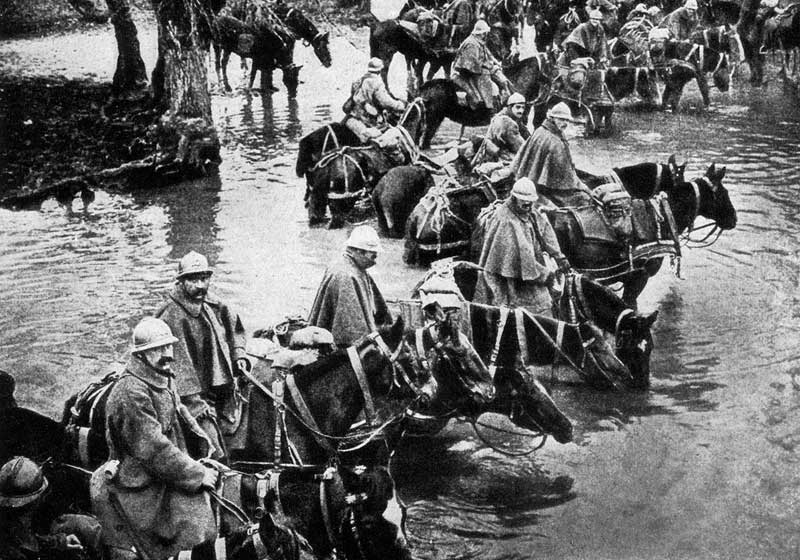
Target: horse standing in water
(611,261)
(641,180)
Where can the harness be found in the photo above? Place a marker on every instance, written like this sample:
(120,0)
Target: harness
(438,213)
(342,155)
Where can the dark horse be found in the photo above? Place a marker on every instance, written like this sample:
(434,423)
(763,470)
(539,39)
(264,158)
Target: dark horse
(305,29)
(441,101)
(611,261)
(441,224)
(641,180)
(261,43)
(341,177)
(584,299)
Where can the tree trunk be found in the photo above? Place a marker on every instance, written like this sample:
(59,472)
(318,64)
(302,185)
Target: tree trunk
(185,132)
(749,28)
(130,75)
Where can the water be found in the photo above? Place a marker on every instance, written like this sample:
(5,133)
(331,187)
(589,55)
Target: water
(704,465)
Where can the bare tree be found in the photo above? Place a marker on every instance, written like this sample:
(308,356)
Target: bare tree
(130,75)
(750,29)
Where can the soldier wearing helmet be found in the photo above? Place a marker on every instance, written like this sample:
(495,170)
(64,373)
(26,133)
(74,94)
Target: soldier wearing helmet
(348,302)
(149,494)
(518,245)
(546,160)
(682,21)
(209,351)
(475,68)
(22,488)
(587,40)
(506,133)
(368,100)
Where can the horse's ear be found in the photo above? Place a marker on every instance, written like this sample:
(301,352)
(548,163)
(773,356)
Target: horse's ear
(326,35)
(398,328)
(651,318)
(712,170)
(721,173)
(672,161)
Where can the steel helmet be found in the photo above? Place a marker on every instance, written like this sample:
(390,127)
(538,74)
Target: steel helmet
(640,7)
(151,333)
(597,14)
(480,27)
(310,337)
(560,111)
(21,482)
(653,10)
(515,98)
(193,263)
(375,65)
(364,238)
(447,300)
(524,189)
(690,4)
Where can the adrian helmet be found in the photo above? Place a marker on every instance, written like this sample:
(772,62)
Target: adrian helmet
(151,333)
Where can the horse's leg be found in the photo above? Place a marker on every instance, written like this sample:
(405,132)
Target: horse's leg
(225,57)
(433,123)
(217,55)
(633,287)
(702,85)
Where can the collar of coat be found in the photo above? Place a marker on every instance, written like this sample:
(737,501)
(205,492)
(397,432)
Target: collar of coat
(193,308)
(551,126)
(139,369)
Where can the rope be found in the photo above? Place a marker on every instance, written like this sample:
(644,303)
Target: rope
(503,451)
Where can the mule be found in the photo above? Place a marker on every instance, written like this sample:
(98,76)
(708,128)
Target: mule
(782,32)
(623,81)
(322,140)
(529,76)
(609,261)
(261,43)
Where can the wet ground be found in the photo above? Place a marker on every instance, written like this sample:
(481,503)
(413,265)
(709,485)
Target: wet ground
(703,465)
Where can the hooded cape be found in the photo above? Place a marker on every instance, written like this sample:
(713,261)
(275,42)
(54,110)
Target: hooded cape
(348,303)
(592,39)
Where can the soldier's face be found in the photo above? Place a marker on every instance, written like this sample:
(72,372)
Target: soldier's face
(596,22)
(517,110)
(195,286)
(159,358)
(365,259)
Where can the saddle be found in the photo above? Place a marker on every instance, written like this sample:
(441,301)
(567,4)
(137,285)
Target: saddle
(86,441)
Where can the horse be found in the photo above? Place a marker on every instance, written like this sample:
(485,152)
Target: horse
(261,43)
(583,299)
(341,177)
(623,81)
(611,261)
(347,512)
(441,223)
(782,32)
(718,12)
(305,29)
(508,337)
(326,138)
(265,539)
(641,180)
(396,195)
(528,77)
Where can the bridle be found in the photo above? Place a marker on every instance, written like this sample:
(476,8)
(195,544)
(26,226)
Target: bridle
(715,231)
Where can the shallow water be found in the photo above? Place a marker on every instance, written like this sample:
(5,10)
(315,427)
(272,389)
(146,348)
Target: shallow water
(703,465)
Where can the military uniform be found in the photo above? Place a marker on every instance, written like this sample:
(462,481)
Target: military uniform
(150,487)
(680,23)
(369,98)
(474,69)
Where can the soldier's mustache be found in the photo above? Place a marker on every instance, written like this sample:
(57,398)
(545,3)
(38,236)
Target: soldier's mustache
(165,361)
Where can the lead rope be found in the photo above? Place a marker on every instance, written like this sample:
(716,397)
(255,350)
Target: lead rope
(504,311)
(361,377)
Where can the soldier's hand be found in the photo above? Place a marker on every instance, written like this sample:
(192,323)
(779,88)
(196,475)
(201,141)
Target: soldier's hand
(564,266)
(68,543)
(210,478)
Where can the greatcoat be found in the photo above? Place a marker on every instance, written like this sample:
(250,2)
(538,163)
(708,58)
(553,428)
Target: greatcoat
(590,38)
(211,338)
(512,258)
(348,303)
(474,68)
(680,23)
(157,484)
(546,160)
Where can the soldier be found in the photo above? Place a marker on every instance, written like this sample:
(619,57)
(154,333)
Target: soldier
(474,69)
(368,100)
(149,496)
(681,22)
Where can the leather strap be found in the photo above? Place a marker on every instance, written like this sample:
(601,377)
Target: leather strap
(259,546)
(324,508)
(305,413)
(361,377)
(262,486)
(521,336)
(220,550)
(277,442)
(274,481)
(622,315)
(496,349)
(83,445)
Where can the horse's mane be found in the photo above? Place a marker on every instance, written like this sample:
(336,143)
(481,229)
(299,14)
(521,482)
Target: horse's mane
(321,366)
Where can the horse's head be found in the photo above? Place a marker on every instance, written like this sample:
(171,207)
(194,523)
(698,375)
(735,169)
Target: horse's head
(273,541)
(291,78)
(462,377)
(389,358)
(715,203)
(321,45)
(675,171)
(532,407)
(601,362)
(372,519)
(634,343)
